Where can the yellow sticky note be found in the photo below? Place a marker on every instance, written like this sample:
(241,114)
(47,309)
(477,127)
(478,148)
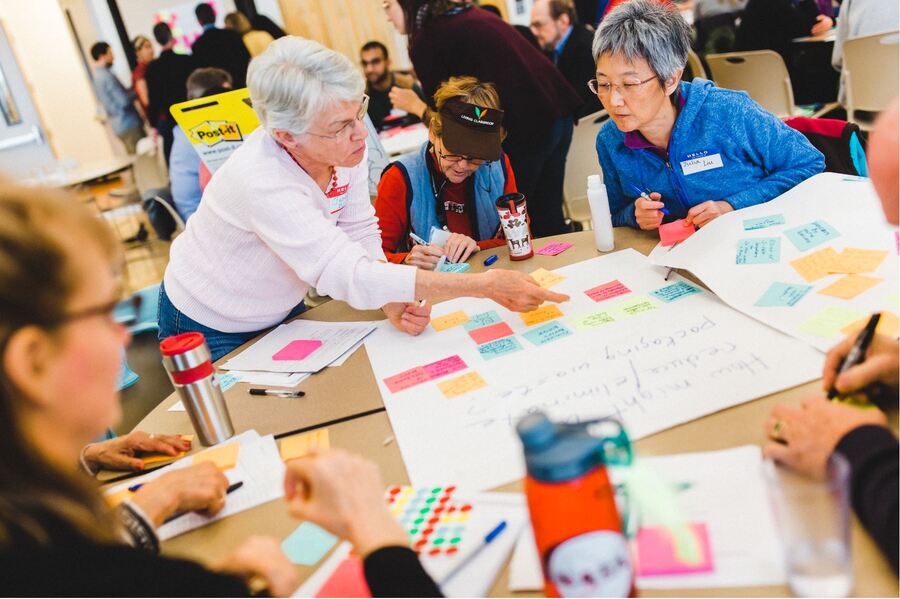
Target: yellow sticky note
(542,314)
(298,446)
(850,286)
(114,499)
(888,325)
(224,457)
(461,385)
(855,260)
(157,458)
(830,320)
(449,321)
(546,278)
(819,264)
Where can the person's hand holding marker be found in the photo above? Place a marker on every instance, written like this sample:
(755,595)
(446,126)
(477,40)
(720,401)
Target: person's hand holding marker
(411,318)
(425,256)
(648,209)
(703,213)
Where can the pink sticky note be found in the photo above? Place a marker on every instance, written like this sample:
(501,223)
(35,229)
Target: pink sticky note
(656,552)
(347,580)
(490,333)
(552,249)
(406,379)
(605,291)
(444,367)
(897,241)
(674,232)
(297,350)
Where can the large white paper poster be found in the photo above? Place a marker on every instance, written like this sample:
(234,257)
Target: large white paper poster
(655,353)
(813,262)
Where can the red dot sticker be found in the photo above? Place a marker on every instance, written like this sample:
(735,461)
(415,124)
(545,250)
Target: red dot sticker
(434,551)
(434,520)
(451,509)
(445,499)
(439,509)
(452,550)
(421,542)
(465,508)
(395,490)
(450,489)
(427,531)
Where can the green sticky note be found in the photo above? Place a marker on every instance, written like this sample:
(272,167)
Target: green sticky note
(763,250)
(482,320)
(635,305)
(448,267)
(782,295)
(752,224)
(829,321)
(307,544)
(806,237)
(675,291)
(591,321)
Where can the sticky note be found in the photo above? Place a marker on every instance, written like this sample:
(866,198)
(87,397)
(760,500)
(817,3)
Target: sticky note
(297,446)
(816,233)
(500,347)
(542,314)
(490,333)
(829,321)
(297,350)
(675,232)
(635,305)
(224,457)
(607,290)
(459,267)
(591,321)
(460,385)
(813,267)
(546,278)
(547,333)
(158,458)
(780,295)
(444,367)
(347,580)
(482,319)
(554,248)
(675,291)
(763,250)
(657,555)
(850,286)
(227,380)
(307,544)
(448,321)
(856,260)
(888,325)
(763,222)
(406,379)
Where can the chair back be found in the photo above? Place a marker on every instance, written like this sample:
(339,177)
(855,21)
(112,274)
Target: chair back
(839,141)
(696,65)
(581,162)
(760,73)
(870,74)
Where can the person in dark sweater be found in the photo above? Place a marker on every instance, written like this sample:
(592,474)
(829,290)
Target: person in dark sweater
(166,79)
(568,43)
(60,350)
(452,38)
(220,48)
(806,436)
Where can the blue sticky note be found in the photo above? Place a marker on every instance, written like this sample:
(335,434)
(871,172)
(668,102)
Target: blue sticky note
(678,290)
(763,250)
(227,380)
(482,320)
(500,347)
(782,294)
(547,333)
(752,224)
(307,544)
(460,267)
(809,236)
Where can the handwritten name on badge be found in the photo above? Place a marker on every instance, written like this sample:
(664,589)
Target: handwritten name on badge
(698,164)
(338,197)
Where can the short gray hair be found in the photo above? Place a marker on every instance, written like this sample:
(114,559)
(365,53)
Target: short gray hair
(295,81)
(648,30)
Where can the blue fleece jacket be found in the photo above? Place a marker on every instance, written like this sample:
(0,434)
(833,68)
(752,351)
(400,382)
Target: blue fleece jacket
(724,146)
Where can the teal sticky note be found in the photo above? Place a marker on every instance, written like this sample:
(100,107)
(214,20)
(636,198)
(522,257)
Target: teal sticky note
(482,320)
(780,295)
(448,267)
(809,236)
(227,380)
(752,224)
(675,291)
(307,544)
(547,333)
(500,347)
(763,250)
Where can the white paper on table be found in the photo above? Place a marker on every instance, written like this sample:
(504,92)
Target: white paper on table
(343,358)
(654,370)
(850,206)
(178,406)
(728,493)
(336,338)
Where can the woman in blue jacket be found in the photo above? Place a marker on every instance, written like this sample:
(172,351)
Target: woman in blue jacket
(697,151)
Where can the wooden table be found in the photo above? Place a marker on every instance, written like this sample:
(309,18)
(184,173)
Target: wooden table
(350,390)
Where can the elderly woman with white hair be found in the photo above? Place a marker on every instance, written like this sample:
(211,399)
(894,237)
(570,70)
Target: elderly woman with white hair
(694,150)
(290,210)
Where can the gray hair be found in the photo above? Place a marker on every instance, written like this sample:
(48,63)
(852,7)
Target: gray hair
(295,80)
(648,30)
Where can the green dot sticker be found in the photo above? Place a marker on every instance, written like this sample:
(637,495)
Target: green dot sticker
(418,520)
(430,500)
(435,490)
(438,541)
(454,540)
(413,531)
(424,510)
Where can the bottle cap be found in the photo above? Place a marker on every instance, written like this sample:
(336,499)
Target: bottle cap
(179,344)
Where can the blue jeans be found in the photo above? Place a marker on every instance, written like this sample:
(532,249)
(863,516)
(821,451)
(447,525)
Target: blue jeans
(173,322)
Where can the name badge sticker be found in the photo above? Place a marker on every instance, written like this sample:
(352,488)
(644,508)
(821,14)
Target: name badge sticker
(697,162)
(338,197)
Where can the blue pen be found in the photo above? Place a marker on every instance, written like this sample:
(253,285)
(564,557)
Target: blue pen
(490,259)
(464,561)
(644,195)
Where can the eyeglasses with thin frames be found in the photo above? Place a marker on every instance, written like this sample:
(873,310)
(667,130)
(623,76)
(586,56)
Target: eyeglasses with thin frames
(344,132)
(457,158)
(603,90)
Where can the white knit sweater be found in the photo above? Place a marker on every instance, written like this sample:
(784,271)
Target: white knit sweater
(265,233)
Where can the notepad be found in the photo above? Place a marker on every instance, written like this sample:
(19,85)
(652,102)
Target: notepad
(297,350)
(675,232)
(297,446)
(224,457)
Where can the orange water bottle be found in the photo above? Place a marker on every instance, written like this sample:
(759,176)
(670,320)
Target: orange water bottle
(573,507)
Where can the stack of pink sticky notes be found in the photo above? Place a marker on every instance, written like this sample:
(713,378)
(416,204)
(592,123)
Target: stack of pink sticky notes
(675,232)
(554,248)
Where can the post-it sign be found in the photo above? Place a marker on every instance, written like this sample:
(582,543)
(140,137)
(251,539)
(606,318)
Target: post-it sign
(554,248)
(546,333)
(499,348)
(607,290)
(850,286)
(808,236)
(448,321)
(675,232)
(225,457)
(460,385)
(782,295)
(297,350)
(816,265)
(547,278)
(542,314)
(490,333)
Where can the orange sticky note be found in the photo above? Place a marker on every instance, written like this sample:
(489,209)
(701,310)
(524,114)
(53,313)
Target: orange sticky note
(224,457)
(546,278)
(542,314)
(461,385)
(813,267)
(888,325)
(855,260)
(298,446)
(675,232)
(157,458)
(449,320)
(850,286)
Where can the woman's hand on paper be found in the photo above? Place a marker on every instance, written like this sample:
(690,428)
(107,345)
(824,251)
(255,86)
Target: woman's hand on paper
(647,213)
(344,494)
(882,365)
(459,247)
(703,213)
(410,318)
(424,256)
(517,291)
(198,488)
(121,453)
(261,558)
